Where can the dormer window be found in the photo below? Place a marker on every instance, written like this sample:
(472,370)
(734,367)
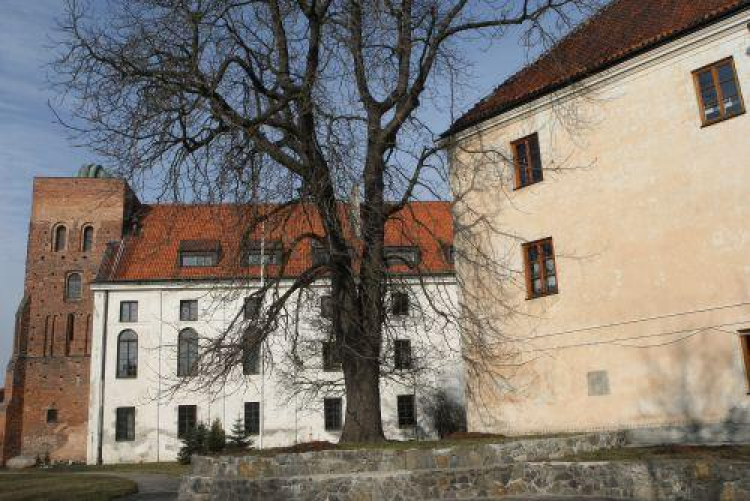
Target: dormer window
(199,253)
(264,253)
(409,256)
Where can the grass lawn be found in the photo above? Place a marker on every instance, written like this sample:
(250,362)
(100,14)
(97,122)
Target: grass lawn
(730,452)
(62,487)
(171,468)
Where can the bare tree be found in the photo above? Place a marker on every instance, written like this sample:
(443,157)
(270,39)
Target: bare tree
(297,103)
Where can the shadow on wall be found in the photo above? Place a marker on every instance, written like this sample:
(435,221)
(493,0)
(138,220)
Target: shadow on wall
(697,390)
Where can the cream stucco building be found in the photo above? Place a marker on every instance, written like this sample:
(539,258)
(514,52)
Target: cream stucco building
(614,175)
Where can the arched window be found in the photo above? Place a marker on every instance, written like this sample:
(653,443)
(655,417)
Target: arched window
(127,354)
(73,286)
(60,238)
(187,352)
(87,239)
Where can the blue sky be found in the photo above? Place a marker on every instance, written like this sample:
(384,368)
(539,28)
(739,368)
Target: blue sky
(31,144)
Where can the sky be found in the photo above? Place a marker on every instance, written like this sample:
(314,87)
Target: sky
(32,144)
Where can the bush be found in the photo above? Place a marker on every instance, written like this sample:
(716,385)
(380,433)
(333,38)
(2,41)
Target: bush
(446,415)
(194,442)
(239,439)
(217,439)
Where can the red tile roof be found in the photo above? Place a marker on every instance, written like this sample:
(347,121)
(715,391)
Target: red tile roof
(621,30)
(153,253)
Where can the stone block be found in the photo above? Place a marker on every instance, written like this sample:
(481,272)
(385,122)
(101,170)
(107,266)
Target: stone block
(21,462)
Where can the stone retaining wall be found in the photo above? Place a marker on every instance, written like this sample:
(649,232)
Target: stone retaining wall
(480,471)
(357,461)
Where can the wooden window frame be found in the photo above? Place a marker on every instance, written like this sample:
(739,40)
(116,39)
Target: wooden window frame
(530,294)
(527,140)
(720,100)
(744,339)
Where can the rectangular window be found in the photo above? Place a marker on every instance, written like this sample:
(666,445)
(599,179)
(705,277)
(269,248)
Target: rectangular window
(251,308)
(449,254)
(402,354)
(718,90)
(269,253)
(252,418)
(527,160)
(408,256)
(52,415)
(331,357)
(326,307)
(319,255)
(400,304)
(541,272)
(251,360)
(406,414)
(125,424)
(332,413)
(198,259)
(187,418)
(189,310)
(745,347)
(128,311)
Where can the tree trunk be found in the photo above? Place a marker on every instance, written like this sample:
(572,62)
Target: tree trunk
(362,422)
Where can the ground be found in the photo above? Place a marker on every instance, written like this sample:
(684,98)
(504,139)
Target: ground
(63,486)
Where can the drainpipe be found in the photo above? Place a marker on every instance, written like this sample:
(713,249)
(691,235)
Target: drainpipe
(100,431)
(262,358)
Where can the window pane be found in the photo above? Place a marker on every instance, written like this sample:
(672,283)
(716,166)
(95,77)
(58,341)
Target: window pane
(186,419)
(726,73)
(536,160)
(331,356)
(332,413)
(402,354)
(125,424)
(88,239)
(326,307)
(189,310)
(538,286)
(400,304)
(251,361)
(61,237)
(251,308)
(73,286)
(406,414)
(705,79)
(252,418)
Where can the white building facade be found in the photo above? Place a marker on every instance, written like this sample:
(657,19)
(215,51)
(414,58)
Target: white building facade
(141,405)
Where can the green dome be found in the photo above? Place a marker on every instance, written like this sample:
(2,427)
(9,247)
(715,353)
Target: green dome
(93,170)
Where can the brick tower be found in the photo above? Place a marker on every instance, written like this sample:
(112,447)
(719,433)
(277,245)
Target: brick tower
(45,406)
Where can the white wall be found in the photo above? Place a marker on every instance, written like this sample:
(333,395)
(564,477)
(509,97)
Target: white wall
(285,419)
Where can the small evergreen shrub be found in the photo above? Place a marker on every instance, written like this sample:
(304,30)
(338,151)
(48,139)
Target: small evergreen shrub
(239,439)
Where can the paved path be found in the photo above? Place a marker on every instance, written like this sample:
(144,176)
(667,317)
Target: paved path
(151,486)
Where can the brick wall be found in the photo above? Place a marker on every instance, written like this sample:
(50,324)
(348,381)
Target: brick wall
(46,405)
